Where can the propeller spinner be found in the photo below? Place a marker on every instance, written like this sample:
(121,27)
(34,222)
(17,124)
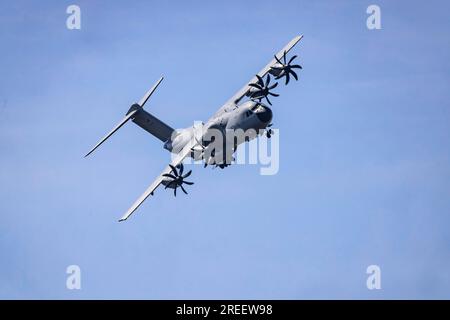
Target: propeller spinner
(176,179)
(284,69)
(262,89)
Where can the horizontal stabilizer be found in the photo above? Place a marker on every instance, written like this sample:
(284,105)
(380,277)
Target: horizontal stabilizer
(117,127)
(134,111)
(150,92)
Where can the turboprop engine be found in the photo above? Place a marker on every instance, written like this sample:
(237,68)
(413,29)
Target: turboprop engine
(179,139)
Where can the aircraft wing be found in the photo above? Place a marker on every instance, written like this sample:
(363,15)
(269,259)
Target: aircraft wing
(241,93)
(176,161)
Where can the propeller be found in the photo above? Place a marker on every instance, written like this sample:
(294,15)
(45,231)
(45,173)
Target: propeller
(284,69)
(222,166)
(262,89)
(257,104)
(212,155)
(269,131)
(203,148)
(177,178)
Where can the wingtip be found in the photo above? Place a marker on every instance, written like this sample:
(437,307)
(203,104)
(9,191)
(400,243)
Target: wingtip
(87,154)
(126,216)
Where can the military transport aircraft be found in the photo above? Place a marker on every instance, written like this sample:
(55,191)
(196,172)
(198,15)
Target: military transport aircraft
(234,114)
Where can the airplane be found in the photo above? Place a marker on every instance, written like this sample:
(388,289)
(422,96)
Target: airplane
(234,114)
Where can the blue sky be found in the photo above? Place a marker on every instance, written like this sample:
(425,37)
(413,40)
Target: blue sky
(364,158)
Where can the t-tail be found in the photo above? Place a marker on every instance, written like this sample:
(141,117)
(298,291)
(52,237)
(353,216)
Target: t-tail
(143,119)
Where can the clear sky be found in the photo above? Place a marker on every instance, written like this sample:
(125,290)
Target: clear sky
(364,159)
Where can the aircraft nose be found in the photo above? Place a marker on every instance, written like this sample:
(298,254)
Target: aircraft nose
(265,115)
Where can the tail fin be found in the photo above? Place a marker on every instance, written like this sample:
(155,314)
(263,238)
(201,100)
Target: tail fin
(134,112)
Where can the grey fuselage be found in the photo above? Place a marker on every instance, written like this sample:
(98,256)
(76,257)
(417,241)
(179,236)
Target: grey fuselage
(250,115)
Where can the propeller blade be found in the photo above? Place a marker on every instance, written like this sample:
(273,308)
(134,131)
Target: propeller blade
(175,191)
(292,59)
(273,86)
(284,57)
(294,74)
(168,175)
(260,80)
(296,66)
(278,60)
(181,169)
(188,182)
(174,170)
(268,80)
(187,174)
(267,98)
(287,78)
(274,94)
(183,189)
(255,85)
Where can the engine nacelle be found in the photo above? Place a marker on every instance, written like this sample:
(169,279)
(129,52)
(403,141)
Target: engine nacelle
(277,70)
(179,139)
